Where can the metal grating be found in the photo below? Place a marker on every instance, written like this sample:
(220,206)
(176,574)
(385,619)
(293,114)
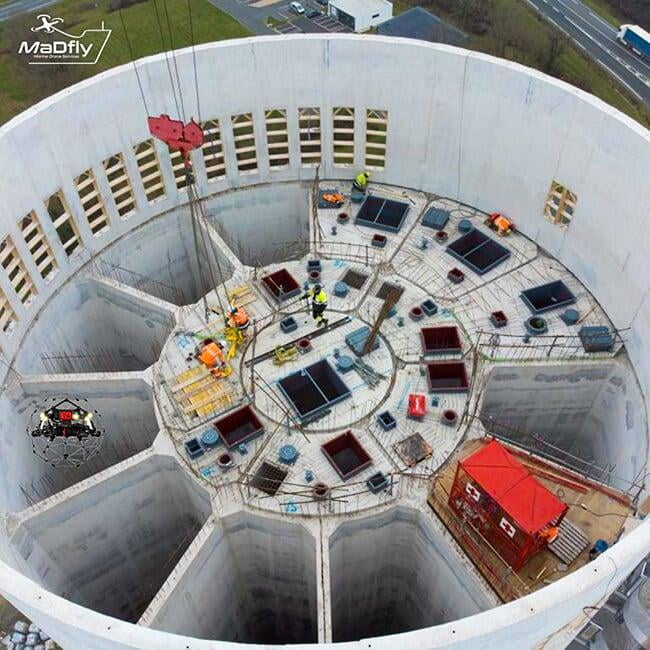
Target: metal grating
(570,542)
(386,288)
(268,478)
(354,279)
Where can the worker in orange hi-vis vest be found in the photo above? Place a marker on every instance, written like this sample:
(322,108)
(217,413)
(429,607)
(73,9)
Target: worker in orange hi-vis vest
(238,318)
(212,355)
(549,535)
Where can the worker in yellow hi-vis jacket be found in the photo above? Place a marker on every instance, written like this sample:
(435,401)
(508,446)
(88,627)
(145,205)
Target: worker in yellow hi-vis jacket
(361,182)
(318,304)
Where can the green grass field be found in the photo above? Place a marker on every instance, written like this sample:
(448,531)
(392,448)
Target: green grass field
(22,85)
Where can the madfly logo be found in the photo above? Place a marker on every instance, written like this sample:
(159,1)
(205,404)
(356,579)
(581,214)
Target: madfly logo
(53,46)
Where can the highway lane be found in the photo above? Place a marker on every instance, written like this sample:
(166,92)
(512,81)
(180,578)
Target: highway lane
(21,6)
(597,39)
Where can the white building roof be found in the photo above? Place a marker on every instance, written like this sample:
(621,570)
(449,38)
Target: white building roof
(360,7)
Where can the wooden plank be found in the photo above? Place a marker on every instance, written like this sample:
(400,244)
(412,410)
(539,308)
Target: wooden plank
(200,373)
(562,481)
(225,401)
(209,397)
(240,290)
(204,383)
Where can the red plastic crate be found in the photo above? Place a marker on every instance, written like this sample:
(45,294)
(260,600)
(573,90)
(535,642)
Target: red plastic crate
(417,405)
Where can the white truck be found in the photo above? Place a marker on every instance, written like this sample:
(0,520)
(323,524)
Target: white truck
(635,38)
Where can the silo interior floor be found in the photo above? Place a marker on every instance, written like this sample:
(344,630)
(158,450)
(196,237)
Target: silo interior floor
(219,521)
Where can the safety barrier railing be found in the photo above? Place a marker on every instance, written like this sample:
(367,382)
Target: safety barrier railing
(86,362)
(143,283)
(513,348)
(533,443)
(360,253)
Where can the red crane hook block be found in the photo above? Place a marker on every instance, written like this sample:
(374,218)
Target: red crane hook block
(180,137)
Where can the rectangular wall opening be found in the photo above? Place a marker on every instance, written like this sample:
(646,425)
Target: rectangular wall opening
(63,223)
(92,203)
(150,174)
(343,136)
(310,136)
(243,133)
(178,169)
(212,149)
(277,138)
(118,181)
(39,247)
(13,265)
(7,317)
(376,132)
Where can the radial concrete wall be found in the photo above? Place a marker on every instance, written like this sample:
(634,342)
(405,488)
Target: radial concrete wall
(486,132)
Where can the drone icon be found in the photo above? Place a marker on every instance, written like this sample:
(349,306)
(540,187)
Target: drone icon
(65,434)
(47,24)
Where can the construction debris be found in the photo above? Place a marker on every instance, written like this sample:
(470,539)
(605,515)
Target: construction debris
(369,375)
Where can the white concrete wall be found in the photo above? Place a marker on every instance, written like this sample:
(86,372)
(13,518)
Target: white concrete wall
(162,257)
(125,403)
(393,573)
(263,225)
(253,580)
(594,412)
(111,546)
(486,132)
(89,317)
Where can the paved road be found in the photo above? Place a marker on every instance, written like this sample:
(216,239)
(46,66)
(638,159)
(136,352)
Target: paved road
(21,6)
(250,17)
(254,18)
(597,38)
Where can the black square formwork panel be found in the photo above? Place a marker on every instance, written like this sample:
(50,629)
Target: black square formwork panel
(314,389)
(478,252)
(547,296)
(382,214)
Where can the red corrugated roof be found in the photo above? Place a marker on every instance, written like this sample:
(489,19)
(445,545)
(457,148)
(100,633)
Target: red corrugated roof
(513,487)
